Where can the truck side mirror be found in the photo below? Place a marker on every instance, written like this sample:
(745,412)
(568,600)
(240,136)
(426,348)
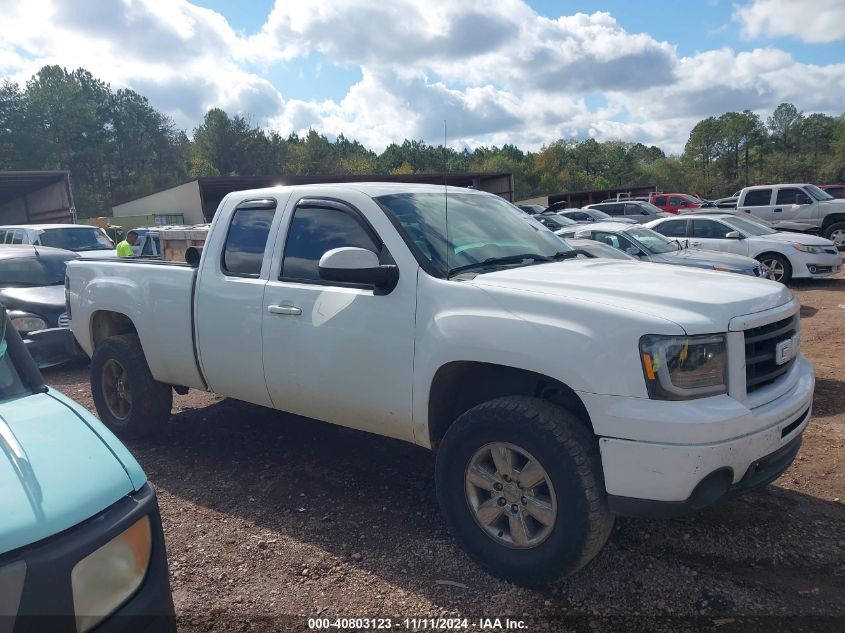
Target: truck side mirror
(358,266)
(733,235)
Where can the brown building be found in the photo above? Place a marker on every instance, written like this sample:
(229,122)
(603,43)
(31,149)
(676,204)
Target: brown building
(36,197)
(577,199)
(197,200)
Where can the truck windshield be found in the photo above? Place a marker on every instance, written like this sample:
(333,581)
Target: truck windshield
(817,193)
(749,227)
(652,241)
(481,229)
(34,270)
(77,239)
(10,382)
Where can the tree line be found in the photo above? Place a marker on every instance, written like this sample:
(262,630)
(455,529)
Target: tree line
(117,146)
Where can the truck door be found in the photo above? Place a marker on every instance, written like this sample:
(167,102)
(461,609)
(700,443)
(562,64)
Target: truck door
(793,204)
(757,202)
(229,302)
(338,352)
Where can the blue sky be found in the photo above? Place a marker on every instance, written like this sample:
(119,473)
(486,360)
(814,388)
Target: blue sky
(514,71)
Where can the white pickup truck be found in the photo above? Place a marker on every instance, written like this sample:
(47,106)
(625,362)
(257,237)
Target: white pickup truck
(797,207)
(557,391)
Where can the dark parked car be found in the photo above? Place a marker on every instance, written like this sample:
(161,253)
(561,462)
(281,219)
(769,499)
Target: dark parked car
(637,210)
(598,249)
(32,290)
(553,221)
(531,209)
(588,216)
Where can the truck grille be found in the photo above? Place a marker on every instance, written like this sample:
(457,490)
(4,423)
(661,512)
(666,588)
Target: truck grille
(64,321)
(761,368)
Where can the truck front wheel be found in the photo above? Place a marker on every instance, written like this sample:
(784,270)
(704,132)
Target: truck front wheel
(520,482)
(129,401)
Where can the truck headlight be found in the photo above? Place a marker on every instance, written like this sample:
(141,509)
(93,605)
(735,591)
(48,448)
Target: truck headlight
(108,576)
(813,250)
(25,322)
(684,367)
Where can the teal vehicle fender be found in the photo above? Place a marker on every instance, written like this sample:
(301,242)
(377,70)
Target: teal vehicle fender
(133,468)
(58,467)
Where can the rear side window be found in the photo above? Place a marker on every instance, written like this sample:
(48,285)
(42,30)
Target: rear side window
(243,252)
(758,198)
(315,231)
(660,201)
(789,195)
(613,209)
(710,229)
(672,228)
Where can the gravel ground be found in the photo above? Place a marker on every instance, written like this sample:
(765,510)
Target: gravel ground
(271,519)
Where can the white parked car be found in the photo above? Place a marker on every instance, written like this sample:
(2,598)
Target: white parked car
(786,255)
(557,391)
(88,241)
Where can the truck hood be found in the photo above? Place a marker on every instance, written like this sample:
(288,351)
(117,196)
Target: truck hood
(55,470)
(699,301)
(800,238)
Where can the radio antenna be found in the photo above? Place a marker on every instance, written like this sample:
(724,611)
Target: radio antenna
(446,196)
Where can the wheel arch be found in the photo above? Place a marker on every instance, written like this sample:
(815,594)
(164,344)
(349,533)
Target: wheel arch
(833,218)
(459,386)
(108,323)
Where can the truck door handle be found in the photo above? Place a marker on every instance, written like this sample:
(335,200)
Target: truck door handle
(777,210)
(293,310)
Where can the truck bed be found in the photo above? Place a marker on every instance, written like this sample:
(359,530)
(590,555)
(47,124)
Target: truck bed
(155,295)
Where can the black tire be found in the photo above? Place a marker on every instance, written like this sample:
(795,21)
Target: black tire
(566,450)
(783,261)
(836,227)
(151,401)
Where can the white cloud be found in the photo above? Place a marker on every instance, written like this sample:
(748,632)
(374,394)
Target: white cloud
(498,72)
(813,21)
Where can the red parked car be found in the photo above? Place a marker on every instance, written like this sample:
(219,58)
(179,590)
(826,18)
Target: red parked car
(837,191)
(675,202)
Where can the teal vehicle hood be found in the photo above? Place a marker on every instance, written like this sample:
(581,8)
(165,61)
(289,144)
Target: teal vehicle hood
(58,466)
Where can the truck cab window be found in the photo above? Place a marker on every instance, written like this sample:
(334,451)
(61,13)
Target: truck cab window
(758,198)
(315,231)
(243,252)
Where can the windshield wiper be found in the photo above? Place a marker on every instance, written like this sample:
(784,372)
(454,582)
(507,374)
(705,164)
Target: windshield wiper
(513,259)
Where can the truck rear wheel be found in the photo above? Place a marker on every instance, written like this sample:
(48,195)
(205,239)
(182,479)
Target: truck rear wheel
(520,482)
(129,401)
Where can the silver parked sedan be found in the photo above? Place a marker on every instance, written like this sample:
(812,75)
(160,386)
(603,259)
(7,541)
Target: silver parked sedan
(647,245)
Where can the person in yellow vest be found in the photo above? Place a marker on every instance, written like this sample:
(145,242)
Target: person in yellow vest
(124,248)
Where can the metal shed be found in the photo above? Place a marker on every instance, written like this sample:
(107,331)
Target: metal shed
(197,199)
(36,197)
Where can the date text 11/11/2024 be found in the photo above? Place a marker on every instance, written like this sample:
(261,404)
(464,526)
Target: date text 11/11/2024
(416,624)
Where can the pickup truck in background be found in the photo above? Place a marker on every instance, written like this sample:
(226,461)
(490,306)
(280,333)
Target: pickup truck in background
(797,207)
(558,392)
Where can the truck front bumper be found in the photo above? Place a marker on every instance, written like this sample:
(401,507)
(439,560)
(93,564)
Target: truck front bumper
(46,599)
(681,461)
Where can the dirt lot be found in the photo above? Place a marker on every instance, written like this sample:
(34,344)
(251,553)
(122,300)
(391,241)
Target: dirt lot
(271,519)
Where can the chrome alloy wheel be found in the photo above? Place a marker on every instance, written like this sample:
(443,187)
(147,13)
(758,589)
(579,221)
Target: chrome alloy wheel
(838,238)
(774,269)
(116,389)
(510,495)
